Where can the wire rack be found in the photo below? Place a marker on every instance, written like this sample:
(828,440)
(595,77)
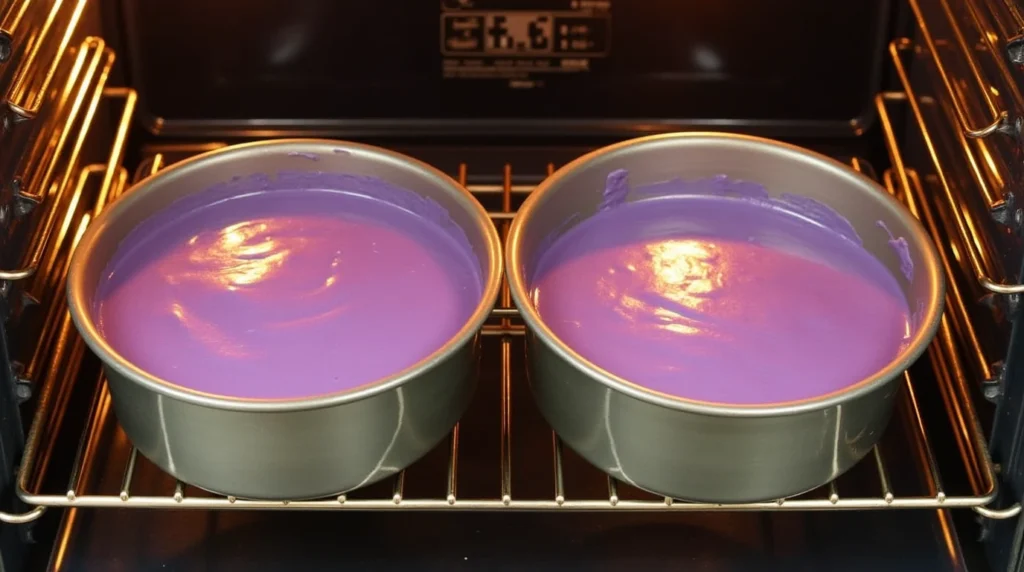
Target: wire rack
(498,457)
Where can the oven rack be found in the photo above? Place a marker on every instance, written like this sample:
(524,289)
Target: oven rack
(967,151)
(102,446)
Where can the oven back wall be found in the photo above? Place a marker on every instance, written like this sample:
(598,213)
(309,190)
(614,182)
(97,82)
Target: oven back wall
(439,66)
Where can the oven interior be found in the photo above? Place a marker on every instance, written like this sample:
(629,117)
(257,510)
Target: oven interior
(921,95)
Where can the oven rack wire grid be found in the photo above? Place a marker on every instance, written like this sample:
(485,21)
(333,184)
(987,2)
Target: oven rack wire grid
(93,186)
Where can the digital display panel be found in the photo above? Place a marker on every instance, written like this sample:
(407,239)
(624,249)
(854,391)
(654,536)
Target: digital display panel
(524,34)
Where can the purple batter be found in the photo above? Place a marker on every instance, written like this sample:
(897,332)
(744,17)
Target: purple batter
(712,291)
(287,287)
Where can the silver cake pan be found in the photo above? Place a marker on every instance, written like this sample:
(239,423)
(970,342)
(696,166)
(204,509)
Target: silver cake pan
(288,449)
(702,451)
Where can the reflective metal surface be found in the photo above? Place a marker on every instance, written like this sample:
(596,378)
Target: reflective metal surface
(37,180)
(697,450)
(944,54)
(477,531)
(998,120)
(41,47)
(321,445)
(502,446)
(501,456)
(43,85)
(40,38)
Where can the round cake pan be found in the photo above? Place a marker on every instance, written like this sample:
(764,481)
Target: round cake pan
(703,451)
(289,449)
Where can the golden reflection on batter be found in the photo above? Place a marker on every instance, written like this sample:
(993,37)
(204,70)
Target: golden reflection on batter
(242,254)
(238,256)
(679,279)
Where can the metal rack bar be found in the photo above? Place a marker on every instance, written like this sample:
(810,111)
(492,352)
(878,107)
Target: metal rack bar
(53,277)
(833,492)
(1000,121)
(559,476)
(915,198)
(129,472)
(927,457)
(501,190)
(944,351)
(506,355)
(505,311)
(883,475)
(452,488)
(28,89)
(66,351)
(130,98)
(57,323)
(962,231)
(89,436)
(1001,23)
(66,198)
(177,499)
(97,61)
(555,439)
(961,415)
(10,18)
(982,263)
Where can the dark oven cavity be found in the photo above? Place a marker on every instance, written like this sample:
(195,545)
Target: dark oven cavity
(926,102)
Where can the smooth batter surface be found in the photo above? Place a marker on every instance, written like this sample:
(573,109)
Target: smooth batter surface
(722,299)
(286,293)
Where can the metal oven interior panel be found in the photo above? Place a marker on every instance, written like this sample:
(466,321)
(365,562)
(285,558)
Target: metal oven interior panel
(502,493)
(805,541)
(288,68)
(965,77)
(47,127)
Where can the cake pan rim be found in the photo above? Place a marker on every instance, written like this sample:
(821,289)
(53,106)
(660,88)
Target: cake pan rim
(930,316)
(80,307)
